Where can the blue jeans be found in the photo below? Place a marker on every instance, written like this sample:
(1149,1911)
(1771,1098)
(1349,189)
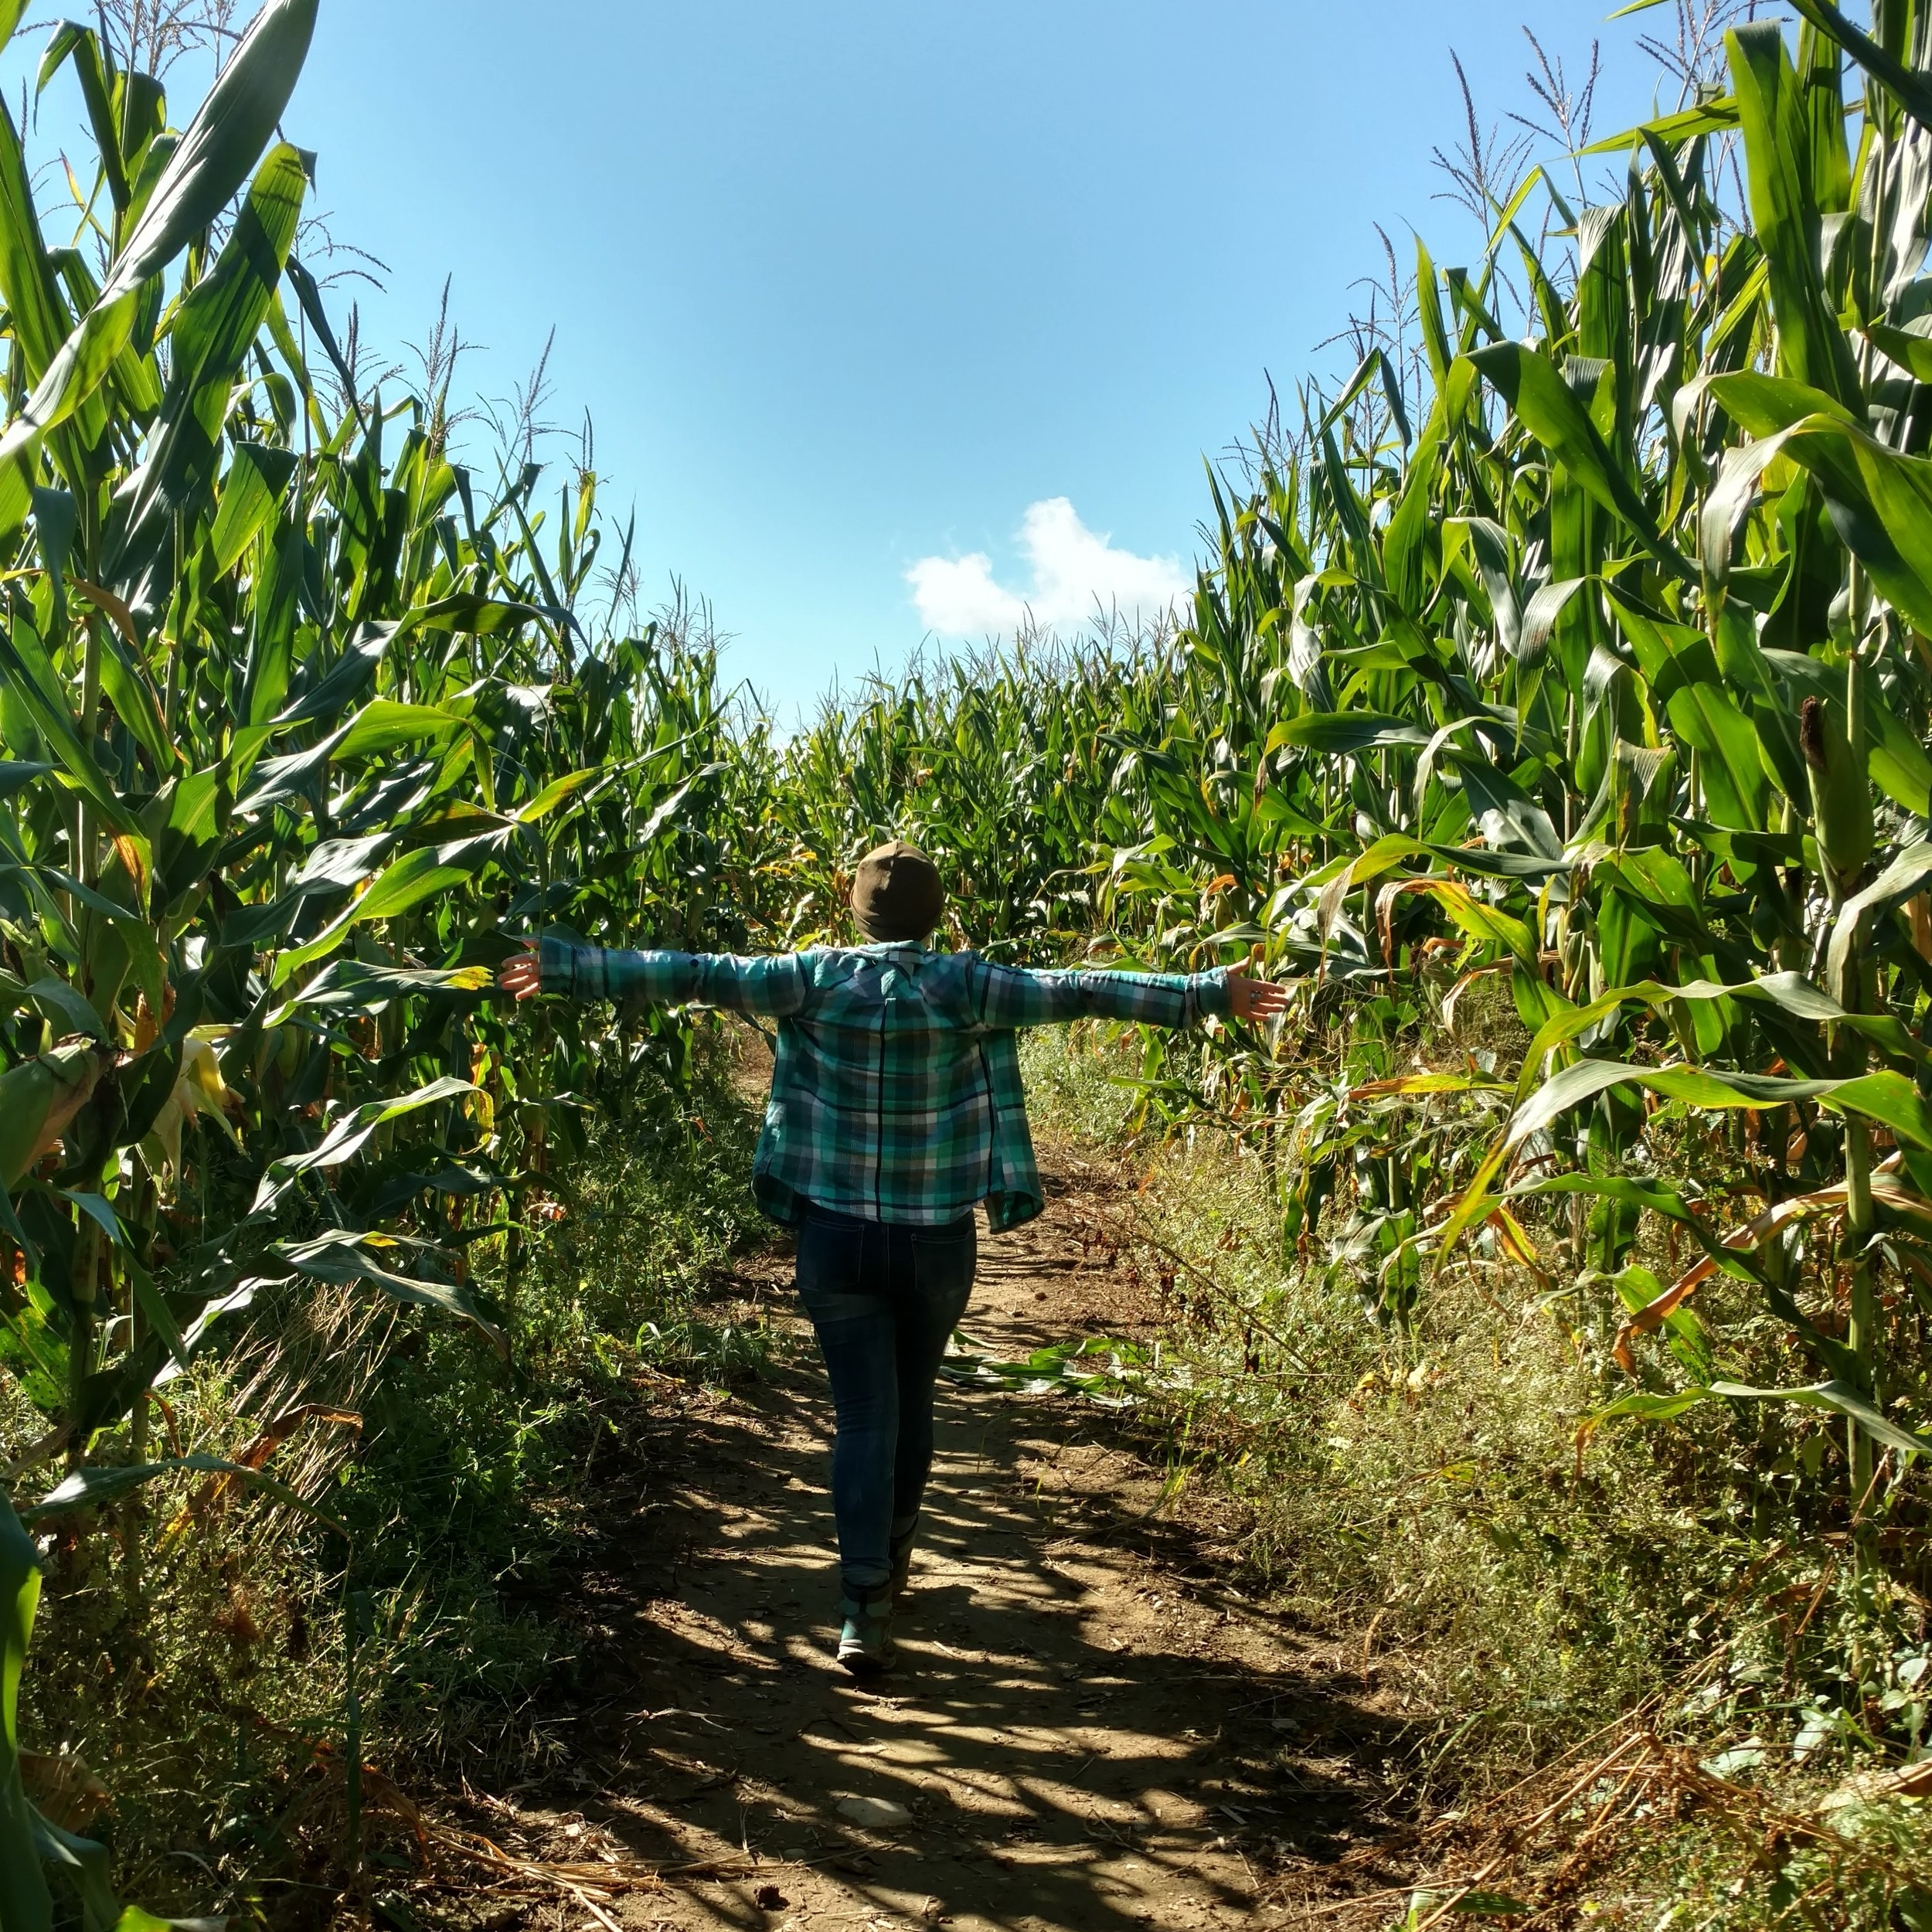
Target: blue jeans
(884,1297)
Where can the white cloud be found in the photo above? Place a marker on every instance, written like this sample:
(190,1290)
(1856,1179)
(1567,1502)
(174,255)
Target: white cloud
(1076,573)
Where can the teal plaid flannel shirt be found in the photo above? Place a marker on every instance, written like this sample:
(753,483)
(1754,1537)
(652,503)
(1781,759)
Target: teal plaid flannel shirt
(896,1092)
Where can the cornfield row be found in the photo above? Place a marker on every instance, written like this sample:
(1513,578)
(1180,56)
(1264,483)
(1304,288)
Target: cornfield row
(1602,675)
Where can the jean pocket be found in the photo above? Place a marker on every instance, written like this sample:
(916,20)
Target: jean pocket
(944,1263)
(832,1256)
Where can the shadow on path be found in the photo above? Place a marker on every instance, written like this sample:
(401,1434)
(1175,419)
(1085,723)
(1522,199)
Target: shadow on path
(1078,1736)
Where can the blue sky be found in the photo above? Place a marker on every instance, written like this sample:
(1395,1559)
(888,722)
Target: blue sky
(850,289)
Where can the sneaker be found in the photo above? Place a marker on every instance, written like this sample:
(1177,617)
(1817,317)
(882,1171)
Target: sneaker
(865,1642)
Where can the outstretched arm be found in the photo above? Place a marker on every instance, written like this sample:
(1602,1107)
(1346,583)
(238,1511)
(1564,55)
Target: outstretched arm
(773,986)
(1012,996)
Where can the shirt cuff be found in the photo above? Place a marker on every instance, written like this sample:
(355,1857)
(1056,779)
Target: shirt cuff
(556,966)
(1211,993)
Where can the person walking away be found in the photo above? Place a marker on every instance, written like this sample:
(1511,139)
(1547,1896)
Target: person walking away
(896,1111)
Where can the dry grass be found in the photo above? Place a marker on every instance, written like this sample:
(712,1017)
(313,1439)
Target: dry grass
(1573,1635)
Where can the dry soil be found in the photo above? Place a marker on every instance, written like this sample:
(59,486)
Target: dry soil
(1090,1727)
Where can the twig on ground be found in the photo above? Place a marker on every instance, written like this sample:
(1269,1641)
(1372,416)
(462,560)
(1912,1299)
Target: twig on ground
(591,1885)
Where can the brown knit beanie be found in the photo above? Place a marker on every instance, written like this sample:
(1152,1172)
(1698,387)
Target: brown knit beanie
(896,895)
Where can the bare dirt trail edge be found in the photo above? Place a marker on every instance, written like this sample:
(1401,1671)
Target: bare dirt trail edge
(1085,1729)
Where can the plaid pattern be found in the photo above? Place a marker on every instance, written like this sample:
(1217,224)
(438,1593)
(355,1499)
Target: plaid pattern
(896,1095)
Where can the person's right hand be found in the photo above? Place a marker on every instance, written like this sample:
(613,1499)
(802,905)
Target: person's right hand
(1253,998)
(520,975)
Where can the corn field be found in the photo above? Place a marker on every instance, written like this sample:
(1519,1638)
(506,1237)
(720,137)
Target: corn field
(1583,671)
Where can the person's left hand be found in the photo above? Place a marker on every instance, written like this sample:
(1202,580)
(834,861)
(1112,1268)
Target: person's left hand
(520,975)
(1250,999)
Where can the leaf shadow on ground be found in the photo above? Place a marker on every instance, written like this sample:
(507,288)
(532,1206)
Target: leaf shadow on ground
(1082,1730)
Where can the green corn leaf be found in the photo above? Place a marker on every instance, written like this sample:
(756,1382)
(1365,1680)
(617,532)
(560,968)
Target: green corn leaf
(1820,67)
(217,324)
(1788,992)
(183,825)
(1548,408)
(88,1489)
(1692,124)
(484,616)
(343,684)
(1695,1086)
(416,876)
(1332,732)
(67,1008)
(257,475)
(1838,1397)
(342,1257)
(1737,788)
(1899,764)
(1402,544)
(383,724)
(1906,875)
(154,1310)
(124,677)
(25,1903)
(1541,615)
(1659,1198)
(1882,501)
(82,47)
(349,1136)
(310,298)
(558,792)
(347,985)
(203,173)
(222,146)
(1785,216)
(143,952)
(1910,351)
(1642,1407)
(71,378)
(1906,85)
(85,1870)
(1887,1097)
(35,309)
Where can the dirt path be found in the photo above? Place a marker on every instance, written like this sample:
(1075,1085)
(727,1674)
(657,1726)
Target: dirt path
(1086,1729)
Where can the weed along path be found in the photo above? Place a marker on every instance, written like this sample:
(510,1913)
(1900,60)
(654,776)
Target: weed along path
(1086,1729)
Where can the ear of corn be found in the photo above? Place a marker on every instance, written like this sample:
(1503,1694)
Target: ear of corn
(38,1099)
